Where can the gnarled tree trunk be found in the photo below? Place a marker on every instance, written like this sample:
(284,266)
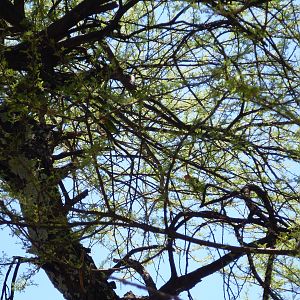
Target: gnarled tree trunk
(27,168)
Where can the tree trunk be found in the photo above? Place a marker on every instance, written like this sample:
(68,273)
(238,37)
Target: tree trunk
(26,166)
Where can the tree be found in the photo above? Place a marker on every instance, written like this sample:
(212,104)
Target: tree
(153,130)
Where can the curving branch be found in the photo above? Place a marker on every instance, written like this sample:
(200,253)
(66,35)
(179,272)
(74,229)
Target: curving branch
(60,28)
(185,282)
(139,268)
(19,57)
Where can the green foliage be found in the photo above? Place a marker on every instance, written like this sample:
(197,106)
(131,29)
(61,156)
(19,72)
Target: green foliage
(197,157)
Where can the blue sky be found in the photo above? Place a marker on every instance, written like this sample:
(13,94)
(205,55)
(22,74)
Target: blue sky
(210,287)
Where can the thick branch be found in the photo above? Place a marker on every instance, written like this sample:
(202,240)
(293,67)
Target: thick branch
(59,29)
(19,57)
(185,282)
(138,267)
(12,14)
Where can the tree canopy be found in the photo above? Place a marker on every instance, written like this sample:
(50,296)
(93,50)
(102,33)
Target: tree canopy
(155,133)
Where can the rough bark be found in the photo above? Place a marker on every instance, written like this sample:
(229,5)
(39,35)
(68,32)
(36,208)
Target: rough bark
(26,167)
